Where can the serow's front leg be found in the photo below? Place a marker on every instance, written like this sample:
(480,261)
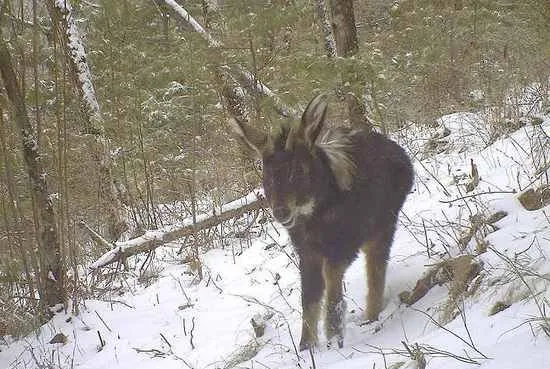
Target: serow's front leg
(312,292)
(333,274)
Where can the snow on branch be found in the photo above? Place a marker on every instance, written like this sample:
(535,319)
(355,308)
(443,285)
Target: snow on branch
(186,17)
(251,83)
(155,238)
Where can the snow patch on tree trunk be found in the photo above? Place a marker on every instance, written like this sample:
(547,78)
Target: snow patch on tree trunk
(79,59)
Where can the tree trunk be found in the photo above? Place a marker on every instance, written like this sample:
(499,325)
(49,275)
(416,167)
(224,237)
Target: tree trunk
(347,45)
(51,271)
(68,36)
(343,27)
(17,226)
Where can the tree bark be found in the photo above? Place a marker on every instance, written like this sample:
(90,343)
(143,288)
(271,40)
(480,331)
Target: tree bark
(343,27)
(324,24)
(153,239)
(51,271)
(68,36)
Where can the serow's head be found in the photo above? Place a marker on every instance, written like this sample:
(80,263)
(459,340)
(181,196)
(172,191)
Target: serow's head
(294,175)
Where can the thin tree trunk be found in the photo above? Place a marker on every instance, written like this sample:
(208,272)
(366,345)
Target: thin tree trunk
(51,271)
(213,19)
(35,64)
(17,227)
(193,194)
(68,36)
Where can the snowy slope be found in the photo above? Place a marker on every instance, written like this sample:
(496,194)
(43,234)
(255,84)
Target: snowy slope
(177,322)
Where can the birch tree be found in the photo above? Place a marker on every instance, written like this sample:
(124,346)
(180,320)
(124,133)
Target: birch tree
(68,36)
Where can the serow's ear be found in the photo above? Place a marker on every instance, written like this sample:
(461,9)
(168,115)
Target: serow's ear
(313,119)
(254,139)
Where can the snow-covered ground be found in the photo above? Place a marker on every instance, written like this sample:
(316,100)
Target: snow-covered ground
(176,322)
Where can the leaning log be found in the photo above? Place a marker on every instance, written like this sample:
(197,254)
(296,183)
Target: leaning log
(155,238)
(248,80)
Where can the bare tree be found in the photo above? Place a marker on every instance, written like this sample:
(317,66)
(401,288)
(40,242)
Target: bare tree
(51,285)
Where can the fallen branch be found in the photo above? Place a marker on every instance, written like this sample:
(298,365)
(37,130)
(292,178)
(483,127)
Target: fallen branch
(155,238)
(477,194)
(252,84)
(460,270)
(96,237)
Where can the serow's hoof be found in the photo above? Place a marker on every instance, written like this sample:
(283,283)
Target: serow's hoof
(306,345)
(338,340)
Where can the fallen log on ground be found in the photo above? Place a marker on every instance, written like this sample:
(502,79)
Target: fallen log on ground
(155,238)
(459,271)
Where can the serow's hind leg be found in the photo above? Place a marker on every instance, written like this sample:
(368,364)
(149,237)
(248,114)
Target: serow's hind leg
(312,292)
(376,254)
(333,274)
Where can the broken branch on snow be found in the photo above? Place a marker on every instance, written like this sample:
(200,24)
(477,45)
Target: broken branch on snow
(153,239)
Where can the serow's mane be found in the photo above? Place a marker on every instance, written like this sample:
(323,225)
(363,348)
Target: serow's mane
(338,148)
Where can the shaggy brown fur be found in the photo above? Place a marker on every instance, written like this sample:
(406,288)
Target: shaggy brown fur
(336,193)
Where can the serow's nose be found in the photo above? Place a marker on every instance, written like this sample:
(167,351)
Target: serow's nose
(281,213)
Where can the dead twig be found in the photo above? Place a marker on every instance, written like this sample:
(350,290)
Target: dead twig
(436,323)
(475,195)
(103,321)
(191,336)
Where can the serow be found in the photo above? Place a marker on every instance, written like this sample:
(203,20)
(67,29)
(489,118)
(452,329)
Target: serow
(336,191)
